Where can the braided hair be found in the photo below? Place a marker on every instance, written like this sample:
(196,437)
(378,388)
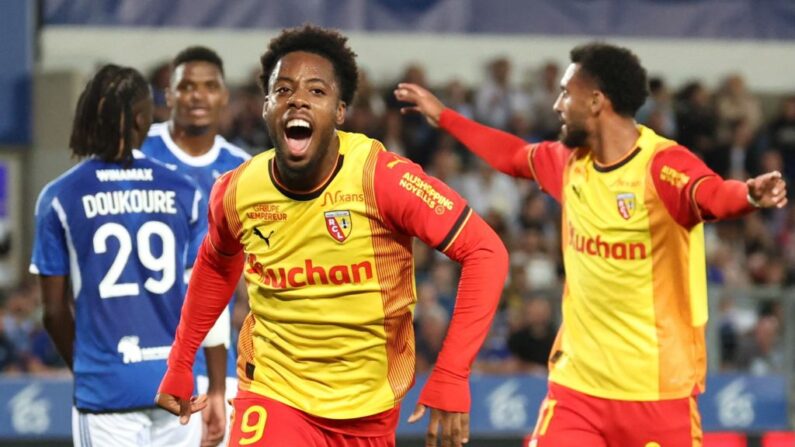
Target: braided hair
(104,119)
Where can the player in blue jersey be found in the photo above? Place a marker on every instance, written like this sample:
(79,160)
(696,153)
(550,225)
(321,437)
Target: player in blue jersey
(190,143)
(114,237)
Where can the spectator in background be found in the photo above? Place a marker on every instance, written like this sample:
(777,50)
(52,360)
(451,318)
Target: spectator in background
(696,121)
(415,138)
(522,126)
(533,255)
(20,322)
(366,114)
(657,112)
(735,103)
(532,340)
(430,325)
(369,95)
(444,278)
(537,211)
(458,98)
(159,79)
(497,100)
(446,162)
(246,128)
(488,190)
(9,363)
(546,123)
(762,353)
(738,157)
(782,135)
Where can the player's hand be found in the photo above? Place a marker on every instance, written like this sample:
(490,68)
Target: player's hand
(181,407)
(768,190)
(454,427)
(424,102)
(213,420)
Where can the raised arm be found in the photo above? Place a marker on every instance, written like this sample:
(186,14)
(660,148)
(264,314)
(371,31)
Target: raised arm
(543,162)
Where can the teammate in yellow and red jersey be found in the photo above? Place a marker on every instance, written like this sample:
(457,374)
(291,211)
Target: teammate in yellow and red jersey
(629,360)
(322,228)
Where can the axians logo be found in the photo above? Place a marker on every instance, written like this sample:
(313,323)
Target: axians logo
(333,198)
(309,274)
(604,249)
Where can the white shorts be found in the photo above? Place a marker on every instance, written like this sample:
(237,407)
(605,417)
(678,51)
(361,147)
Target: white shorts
(145,428)
(203,382)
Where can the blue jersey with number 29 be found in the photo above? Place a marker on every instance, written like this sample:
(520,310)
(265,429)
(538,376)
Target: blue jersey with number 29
(124,235)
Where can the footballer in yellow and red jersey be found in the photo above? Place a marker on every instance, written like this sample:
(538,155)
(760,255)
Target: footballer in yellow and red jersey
(634,304)
(331,285)
(635,301)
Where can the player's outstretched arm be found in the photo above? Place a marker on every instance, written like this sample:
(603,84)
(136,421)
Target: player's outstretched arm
(693,193)
(505,152)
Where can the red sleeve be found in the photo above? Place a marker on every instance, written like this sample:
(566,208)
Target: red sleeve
(692,192)
(719,199)
(484,267)
(507,153)
(413,203)
(213,281)
(503,151)
(548,160)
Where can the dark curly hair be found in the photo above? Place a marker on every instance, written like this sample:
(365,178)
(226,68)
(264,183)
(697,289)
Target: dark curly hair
(617,72)
(104,114)
(326,43)
(198,54)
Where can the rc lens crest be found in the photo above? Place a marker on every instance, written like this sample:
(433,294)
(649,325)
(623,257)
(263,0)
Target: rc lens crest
(338,224)
(625,201)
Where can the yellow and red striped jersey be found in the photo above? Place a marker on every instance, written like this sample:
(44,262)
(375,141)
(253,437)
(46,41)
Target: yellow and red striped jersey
(635,302)
(330,276)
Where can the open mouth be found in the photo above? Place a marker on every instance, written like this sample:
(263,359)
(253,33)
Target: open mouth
(297,134)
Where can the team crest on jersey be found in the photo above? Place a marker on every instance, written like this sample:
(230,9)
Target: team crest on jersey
(338,224)
(626,204)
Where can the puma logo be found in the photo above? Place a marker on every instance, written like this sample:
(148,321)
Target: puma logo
(267,238)
(576,190)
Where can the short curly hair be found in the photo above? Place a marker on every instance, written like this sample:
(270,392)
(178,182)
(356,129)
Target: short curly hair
(617,72)
(198,54)
(326,43)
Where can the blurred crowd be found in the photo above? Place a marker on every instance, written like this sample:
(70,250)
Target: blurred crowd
(737,133)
